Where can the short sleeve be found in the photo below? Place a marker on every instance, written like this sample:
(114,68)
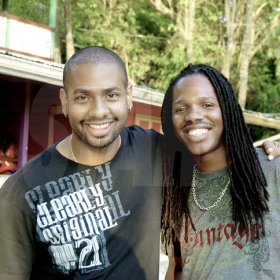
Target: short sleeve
(16,242)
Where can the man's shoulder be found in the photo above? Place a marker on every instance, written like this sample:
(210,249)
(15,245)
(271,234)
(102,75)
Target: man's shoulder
(44,158)
(266,164)
(136,135)
(34,168)
(138,130)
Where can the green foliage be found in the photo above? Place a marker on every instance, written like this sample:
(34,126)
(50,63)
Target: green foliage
(209,33)
(130,28)
(264,92)
(264,95)
(36,10)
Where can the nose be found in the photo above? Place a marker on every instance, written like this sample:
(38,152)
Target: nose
(99,109)
(194,114)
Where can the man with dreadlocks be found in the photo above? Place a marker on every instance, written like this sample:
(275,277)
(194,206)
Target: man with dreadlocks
(226,216)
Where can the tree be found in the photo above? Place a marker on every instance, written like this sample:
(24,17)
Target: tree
(67,5)
(35,10)
(254,39)
(263,94)
(182,12)
(245,54)
(5,5)
(57,44)
(233,12)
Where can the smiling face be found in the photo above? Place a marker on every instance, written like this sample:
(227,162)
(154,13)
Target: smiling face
(197,117)
(97,102)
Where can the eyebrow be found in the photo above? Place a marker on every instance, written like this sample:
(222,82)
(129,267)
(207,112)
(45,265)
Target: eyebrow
(81,90)
(202,98)
(88,91)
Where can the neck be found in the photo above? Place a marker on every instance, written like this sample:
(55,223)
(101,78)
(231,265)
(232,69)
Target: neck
(83,153)
(211,162)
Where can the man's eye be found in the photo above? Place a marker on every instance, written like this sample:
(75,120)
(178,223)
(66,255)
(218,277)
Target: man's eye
(180,110)
(209,105)
(82,98)
(112,96)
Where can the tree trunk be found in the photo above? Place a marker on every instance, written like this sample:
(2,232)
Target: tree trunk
(230,9)
(189,28)
(5,5)
(69,34)
(57,46)
(245,54)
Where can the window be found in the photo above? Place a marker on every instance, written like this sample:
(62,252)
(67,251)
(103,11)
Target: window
(147,122)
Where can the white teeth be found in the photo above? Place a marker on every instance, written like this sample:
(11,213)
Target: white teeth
(99,126)
(198,132)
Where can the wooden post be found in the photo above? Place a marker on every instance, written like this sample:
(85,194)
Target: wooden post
(24,128)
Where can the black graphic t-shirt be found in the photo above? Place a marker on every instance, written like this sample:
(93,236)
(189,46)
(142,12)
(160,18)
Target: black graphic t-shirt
(63,220)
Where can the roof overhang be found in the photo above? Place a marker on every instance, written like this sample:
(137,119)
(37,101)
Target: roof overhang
(31,68)
(51,73)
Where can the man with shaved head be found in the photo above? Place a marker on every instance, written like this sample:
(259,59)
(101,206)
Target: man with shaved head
(89,206)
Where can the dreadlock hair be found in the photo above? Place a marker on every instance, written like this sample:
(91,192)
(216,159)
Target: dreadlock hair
(94,55)
(248,184)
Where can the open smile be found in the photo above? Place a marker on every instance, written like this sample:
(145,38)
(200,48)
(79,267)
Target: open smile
(196,134)
(99,129)
(100,126)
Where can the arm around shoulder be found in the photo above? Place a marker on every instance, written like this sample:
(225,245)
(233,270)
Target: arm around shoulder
(272,149)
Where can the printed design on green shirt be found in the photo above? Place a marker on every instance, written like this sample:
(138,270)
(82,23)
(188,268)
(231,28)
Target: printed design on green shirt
(214,229)
(259,254)
(208,194)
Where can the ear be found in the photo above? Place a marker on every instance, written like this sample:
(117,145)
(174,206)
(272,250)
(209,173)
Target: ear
(129,92)
(64,101)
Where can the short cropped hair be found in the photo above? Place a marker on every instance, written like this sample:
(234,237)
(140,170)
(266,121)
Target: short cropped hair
(94,55)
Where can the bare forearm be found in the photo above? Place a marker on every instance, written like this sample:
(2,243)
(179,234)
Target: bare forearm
(174,271)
